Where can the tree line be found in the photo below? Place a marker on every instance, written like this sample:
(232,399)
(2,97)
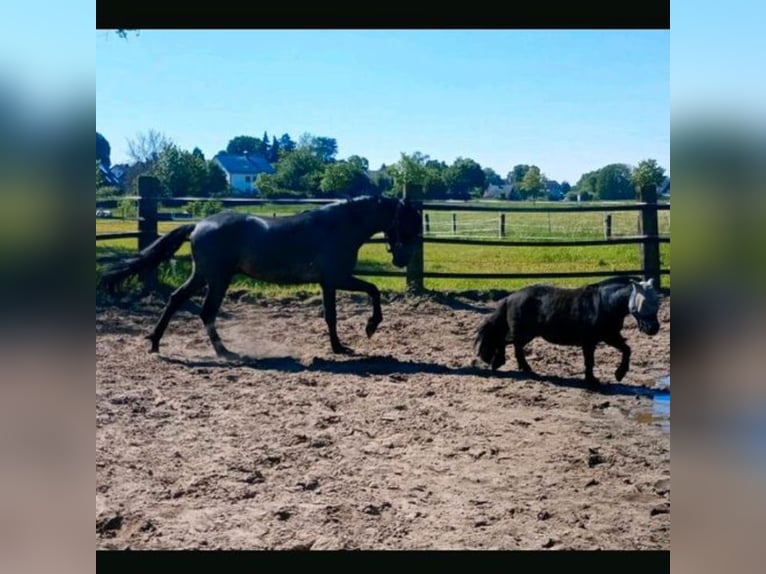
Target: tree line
(309,167)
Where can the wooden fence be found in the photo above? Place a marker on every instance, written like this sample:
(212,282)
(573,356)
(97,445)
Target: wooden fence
(647,238)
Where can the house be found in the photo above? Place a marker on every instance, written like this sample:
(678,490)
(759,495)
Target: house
(242,170)
(111,178)
(504,191)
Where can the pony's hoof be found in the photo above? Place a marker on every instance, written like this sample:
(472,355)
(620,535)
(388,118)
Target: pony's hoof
(620,374)
(342,350)
(371,327)
(592,381)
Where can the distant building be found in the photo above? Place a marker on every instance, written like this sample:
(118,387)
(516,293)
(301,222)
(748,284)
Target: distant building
(242,170)
(111,178)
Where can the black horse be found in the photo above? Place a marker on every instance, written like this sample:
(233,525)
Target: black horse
(582,317)
(315,246)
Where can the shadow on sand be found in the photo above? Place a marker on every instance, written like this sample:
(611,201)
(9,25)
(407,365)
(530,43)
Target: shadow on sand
(387,365)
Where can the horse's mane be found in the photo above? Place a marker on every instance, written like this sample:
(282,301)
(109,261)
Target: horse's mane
(620,280)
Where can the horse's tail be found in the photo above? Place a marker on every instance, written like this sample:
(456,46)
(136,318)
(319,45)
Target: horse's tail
(147,259)
(493,326)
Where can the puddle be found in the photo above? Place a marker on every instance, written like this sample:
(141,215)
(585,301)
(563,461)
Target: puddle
(659,413)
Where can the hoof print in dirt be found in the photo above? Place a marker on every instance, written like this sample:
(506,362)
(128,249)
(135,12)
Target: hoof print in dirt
(311,484)
(109,524)
(594,457)
(376,510)
(663,508)
(283,514)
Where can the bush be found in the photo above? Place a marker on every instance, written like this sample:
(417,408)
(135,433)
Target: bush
(127,209)
(205,208)
(108,192)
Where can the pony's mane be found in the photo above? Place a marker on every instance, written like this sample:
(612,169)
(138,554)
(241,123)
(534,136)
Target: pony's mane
(619,280)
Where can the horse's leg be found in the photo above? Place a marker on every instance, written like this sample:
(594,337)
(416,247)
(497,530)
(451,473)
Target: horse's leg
(331,318)
(177,298)
(618,342)
(354,284)
(518,350)
(520,341)
(216,290)
(589,351)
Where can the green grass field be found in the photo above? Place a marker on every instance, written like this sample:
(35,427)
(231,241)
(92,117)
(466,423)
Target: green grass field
(458,258)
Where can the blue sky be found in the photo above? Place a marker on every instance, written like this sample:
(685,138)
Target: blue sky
(569,101)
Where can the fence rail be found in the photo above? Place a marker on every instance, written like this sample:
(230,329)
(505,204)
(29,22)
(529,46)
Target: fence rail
(648,238)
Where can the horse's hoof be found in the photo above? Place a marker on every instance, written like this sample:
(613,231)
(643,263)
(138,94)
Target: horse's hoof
(620,374)
(592,381)
(342,350)
(371,327)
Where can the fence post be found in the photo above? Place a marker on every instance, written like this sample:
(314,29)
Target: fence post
(454,224)
(428,223)
(148,192)
(502,225)
(608,226)
(415,267)
(649,228)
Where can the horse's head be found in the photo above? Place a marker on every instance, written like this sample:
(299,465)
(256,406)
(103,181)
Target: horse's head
(404,233)
(643,304)
(489,342)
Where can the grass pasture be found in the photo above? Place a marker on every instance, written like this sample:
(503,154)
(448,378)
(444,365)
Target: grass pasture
(457,258)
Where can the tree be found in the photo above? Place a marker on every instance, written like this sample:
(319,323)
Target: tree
(146,147)
(492,177)
(565,187)
(381,181)
(103,150)
(286,144)
(324,148)
(196,152)
(647,172)
(586,185)
(215,182)
(346,177)
(246,144)
(266,145)
(516,175)
(533,184)
(274,150)
(176,173)
(434,181)
(613,182)
(465,177)
(300,171)
(409,169)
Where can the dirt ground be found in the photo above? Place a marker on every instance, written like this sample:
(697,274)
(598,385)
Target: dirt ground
(403,445)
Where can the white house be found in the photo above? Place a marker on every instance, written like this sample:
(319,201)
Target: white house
(242,170)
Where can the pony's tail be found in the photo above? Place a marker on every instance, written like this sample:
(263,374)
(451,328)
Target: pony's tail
(493,326)
(147,259)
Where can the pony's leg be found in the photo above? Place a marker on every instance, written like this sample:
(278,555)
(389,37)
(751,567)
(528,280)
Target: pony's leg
(618,342)
(589,351)
(354,284)
(518,350)
(331,318)
(177,298)
(215,293)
